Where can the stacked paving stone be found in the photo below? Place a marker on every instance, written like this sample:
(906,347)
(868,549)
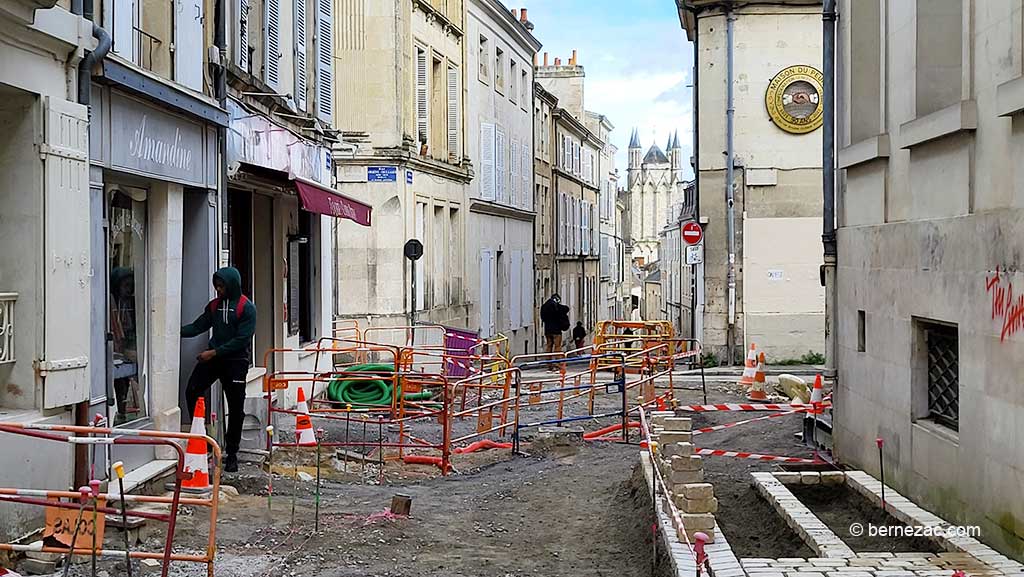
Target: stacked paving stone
(684,474)
(875,565)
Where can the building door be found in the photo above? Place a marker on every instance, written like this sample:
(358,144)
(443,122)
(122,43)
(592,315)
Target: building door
(263,278)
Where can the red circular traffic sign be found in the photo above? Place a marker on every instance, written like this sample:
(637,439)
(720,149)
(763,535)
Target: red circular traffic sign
(692,233)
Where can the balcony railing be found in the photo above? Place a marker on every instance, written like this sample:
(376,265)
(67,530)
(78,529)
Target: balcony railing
(7,301)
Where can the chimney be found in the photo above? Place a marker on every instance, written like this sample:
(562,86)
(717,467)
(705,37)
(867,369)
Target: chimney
(572,61)
(558,61)
(545,59)
(515,14)
(522,16)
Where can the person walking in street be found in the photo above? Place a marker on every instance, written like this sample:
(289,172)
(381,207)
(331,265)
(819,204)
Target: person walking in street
(232,318)
(555,318)
(579,335)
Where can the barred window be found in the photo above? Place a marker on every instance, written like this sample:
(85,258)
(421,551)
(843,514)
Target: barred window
(943,346)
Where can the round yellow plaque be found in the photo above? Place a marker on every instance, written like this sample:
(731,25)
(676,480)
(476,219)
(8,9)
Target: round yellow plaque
(793,99)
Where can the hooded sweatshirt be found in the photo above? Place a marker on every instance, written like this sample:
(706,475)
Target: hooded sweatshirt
(232,332)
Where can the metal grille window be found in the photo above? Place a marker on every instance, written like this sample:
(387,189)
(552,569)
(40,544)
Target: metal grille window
(943,346)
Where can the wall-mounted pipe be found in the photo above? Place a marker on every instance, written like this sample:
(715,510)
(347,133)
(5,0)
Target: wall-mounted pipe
(828,174)
(730,19)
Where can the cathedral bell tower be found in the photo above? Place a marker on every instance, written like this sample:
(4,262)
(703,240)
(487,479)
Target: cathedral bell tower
(633,171)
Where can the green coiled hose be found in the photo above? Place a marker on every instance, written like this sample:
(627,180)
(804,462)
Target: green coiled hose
(362,391)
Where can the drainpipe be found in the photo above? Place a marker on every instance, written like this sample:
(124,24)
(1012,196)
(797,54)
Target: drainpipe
(828,234)
(220,92)
(730,19)
(695,303)
(84,8)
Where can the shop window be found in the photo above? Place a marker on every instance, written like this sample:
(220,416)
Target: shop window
(301,274)
(127,302)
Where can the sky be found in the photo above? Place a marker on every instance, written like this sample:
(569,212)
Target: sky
(637,61)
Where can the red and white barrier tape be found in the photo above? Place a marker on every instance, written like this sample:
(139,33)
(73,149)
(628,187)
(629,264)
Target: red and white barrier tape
(752,407)
(737,423)
(754,456)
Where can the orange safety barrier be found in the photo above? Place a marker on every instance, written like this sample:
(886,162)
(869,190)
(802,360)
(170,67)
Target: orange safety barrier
(504,409)
(62,500)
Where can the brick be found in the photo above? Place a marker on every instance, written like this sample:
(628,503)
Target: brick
(698,521)
(788,477)
(678,424)
(698,491)
(804,574)
(38,567)
(669,437)
(833,477)
(691,463)
(697,506)
(677,450)
(685,477)
(810,477)
(658,417)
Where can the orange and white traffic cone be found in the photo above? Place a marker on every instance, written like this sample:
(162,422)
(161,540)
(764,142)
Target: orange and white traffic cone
(749,367)
(816,397)
(196,461)
(757,392)
(304,435)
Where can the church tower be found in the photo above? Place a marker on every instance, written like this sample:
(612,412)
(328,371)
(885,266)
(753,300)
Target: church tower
(676,154)
(633,171)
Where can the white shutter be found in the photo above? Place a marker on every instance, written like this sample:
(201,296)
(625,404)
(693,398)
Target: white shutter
(527,288)
(500,174)
(453,114)
(422,98)
(325,60)
(420,229)
(561,223)
(514,173)
(241,35)
(66,254)
(188,44)
(595,230)
(486,304)
(576,158)
(585,227)
(506,291)
(487,153)
(527,168)
(121,21)
(515,285)
(272,43)
(300,55)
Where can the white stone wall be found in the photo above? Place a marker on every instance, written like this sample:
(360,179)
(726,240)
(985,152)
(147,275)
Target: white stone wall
(924,226)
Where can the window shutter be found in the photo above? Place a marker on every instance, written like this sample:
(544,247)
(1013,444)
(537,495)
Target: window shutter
(514,173)
(188,44)
(422,98)
(324,60)
(487,142)
(453,114)
(66,327)
(527,168)
(486,304)
(300,55)
(121,21)
(272,43)
(500,175)
(561,223)
(586,228)
(515,290)
(594,231)
(242,35)
(527,288)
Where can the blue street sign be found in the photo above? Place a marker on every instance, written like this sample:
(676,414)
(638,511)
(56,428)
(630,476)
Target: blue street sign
(382,174)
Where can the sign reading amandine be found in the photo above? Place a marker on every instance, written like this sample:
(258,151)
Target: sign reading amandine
(793,99)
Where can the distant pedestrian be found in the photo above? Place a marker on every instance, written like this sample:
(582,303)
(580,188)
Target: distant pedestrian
(232,317)
(579,335)
(555,318)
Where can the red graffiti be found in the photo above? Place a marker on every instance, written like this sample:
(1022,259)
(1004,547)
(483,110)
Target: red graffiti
(1006,308)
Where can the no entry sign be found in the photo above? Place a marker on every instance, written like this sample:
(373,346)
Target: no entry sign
(692,233)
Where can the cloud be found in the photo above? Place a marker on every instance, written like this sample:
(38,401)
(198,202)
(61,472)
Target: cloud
(637,62)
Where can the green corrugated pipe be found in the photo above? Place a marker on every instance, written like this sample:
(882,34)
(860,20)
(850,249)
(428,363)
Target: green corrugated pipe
(361,391)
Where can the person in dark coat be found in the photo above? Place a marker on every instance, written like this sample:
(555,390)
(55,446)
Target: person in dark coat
(231,319)
(579,334)
(555,318)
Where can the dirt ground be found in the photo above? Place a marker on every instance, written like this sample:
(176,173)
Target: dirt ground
(564,509)
(839,507)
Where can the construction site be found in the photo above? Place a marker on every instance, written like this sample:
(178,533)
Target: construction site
(416,451)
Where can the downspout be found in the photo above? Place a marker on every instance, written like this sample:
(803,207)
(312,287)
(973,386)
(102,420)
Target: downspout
(695,99)
(828,233)
(730,19)
(84,8)
(220,92)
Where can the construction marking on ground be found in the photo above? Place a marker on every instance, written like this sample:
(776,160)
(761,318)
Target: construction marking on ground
(743,422)
(752,407)
(754,456)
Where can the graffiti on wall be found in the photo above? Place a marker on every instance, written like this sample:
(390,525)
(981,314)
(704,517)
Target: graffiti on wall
(1007,308)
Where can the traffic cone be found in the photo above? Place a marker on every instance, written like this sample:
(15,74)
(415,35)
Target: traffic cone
(749,367)
(757,389)
(304,435)
(196,461)
(816,395)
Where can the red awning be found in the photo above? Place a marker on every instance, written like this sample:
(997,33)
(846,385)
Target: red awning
(322,200)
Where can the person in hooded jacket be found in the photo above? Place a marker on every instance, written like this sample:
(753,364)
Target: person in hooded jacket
(232,318)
